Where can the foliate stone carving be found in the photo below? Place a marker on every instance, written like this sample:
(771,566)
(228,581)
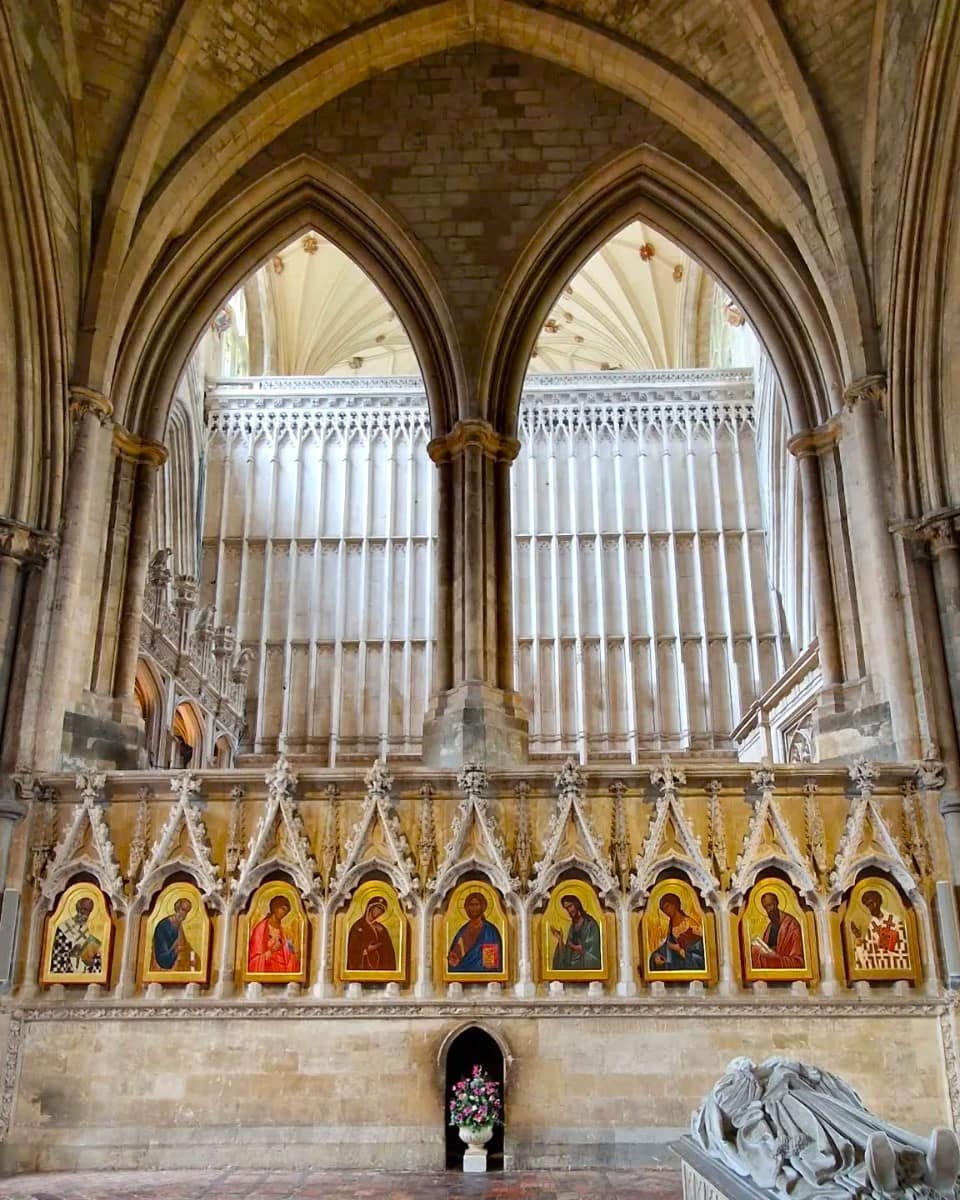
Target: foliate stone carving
(427,834)
(915,836)
(377,840)
(871,389)
(11,1073)
(523,843)
(476,841)
(141,832)
(867,840)
(279,839)
(671,841)
(184,824)
(799,1131)
(26,546)
(571,839)
(235,836)
(86,845)
(864,775)
(769,842)
(43,830)
(404,1008)
(813,827)
(666,777)
(87,401)
(619,839)
(717,845)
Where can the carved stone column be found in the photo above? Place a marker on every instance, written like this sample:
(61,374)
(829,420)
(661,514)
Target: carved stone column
(807,448)
(878,583)
(86,493)
(940,532)
(147,458)
(22,550)
(938,583)
(476,712)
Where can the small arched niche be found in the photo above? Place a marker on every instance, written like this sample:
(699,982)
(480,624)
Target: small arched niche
(460,1053)
(186,749)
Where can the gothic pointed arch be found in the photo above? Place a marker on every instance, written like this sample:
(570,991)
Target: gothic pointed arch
(299,197)
(772,286)
(813,209)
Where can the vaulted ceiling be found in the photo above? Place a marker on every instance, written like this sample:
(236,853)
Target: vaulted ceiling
(172,146)
(638,304)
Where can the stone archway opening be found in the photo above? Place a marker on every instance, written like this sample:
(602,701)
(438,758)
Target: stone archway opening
(470,1047)
(659,549)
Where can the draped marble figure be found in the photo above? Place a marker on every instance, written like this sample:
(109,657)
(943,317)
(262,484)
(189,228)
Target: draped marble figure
(802,1132)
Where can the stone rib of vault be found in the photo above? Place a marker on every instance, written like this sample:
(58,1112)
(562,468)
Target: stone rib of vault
(788,1129)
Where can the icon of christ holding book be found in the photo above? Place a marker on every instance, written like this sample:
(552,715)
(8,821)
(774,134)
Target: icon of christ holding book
(477,945)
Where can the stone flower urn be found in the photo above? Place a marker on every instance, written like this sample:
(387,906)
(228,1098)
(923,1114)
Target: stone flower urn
(476,1138)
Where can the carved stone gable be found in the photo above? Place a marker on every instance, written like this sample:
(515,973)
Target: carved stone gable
(671,842)
(279,839)
(571,839)
(377,841)
(769,842)
(867,839)
(476,841)
(86,846)
(183,841)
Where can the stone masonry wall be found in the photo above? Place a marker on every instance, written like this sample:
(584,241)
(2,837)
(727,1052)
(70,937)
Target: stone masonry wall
(472,149)
(368,1092)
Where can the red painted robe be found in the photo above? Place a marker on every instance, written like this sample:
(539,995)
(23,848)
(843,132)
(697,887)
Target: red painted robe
(787,953)
(270,951)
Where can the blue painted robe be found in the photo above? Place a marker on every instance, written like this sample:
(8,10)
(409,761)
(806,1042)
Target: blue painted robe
(165,939)
(694,958)
(485,955)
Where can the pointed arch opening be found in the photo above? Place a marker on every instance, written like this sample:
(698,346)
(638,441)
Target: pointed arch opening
(467,1048)
(300,498)
(661,559)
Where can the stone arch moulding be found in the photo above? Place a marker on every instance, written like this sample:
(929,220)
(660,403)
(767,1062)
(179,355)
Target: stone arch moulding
(219,255)
(141,225)
(485,1027)
(773,288)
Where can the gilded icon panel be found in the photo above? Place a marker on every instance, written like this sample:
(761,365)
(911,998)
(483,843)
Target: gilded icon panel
(677,938)
(78,938)
(372,936)
(879,933)
(273,936)
(573,934)
(475,935)
(176,944)
(777,939)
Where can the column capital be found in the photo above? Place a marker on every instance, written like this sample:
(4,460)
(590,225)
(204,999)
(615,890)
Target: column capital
(473,433)
(811,443)
(871,388)
(136,449)
(85,400)
(940,530)
(28,546)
